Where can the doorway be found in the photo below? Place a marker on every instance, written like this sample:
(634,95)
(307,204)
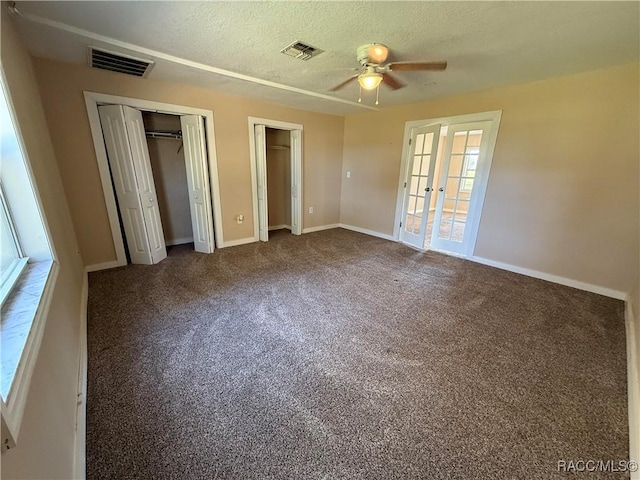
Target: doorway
(444,175)
(276,170)
(167,197)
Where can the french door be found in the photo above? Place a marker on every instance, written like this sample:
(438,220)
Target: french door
(464,169)
(423,148)
(449,180)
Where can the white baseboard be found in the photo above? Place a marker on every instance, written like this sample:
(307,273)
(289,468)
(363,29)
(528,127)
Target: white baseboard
(367,232)
(633,385)
(103,266)
(79,460)
(241,241)
(280,227)
(321,227)
(178,241)
(607,292)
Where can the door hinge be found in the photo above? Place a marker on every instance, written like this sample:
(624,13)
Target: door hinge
(410,141)
(400,223)
(405,184)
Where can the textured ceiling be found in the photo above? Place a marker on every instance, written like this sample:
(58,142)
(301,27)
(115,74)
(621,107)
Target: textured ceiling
(486,43)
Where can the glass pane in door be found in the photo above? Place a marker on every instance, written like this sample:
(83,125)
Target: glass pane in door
(459,184)
(418,183)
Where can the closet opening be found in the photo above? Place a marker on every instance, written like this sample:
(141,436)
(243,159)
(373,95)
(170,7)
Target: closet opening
(276,171)
(278,181)
(158,174)
(166,152)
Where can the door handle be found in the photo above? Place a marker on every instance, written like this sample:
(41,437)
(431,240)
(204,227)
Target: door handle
(427,189)
(441,189)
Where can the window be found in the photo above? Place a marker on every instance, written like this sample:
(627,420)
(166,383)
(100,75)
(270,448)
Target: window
(12,261)
(471,155)
(27,270)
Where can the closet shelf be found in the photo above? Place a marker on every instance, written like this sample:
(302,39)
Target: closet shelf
(279,147)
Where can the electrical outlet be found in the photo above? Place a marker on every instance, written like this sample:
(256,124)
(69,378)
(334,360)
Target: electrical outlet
(239,219)
(348,174)
(310,209)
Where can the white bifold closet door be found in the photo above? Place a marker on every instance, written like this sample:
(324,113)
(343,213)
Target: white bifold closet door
(195,154)
(128,154)
(261,174)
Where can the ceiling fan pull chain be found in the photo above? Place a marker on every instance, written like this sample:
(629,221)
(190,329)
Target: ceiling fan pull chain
(377,93)
(360,95)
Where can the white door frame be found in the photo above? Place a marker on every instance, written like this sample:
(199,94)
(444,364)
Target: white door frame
(295,130)
(92,100)
(494,117)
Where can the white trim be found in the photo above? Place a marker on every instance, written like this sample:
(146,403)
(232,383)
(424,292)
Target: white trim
(321,227)
(367,232)
(178,241)
(296,156)
(79,458)
(92,99)
(633,385)
(103,266)
(182,61)
(493,116)
(280,227)
(588,287)
(13,407)
(241,241)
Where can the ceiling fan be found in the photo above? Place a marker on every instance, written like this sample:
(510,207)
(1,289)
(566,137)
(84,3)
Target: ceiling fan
(374,71)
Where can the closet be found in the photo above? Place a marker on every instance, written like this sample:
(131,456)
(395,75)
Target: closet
(276,173)
(158,166)
(278,179)
(166,152)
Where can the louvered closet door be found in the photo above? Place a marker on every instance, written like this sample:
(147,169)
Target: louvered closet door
(195,154)
(133,181)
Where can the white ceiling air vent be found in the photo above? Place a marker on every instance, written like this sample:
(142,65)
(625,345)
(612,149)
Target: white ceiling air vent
(301,50)
(117,62)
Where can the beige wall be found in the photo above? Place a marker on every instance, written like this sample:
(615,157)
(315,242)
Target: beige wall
(46,442)
(278,177)
(169,177)
(560,198)
(61,87)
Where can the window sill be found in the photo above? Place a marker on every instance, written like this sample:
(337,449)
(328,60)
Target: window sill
(17,267)
(21,326)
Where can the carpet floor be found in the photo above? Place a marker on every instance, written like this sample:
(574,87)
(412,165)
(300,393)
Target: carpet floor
(336,355)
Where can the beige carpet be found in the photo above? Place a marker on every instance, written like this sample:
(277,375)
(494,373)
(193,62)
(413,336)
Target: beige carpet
(336,355)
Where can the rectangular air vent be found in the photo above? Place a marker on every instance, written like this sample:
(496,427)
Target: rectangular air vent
(301,50)
(117,62)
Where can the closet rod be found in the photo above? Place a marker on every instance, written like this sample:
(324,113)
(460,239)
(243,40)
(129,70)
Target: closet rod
(163,133)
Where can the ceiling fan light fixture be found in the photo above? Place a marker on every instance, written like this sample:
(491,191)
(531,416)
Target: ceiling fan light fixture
(378,53)
(370,80)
